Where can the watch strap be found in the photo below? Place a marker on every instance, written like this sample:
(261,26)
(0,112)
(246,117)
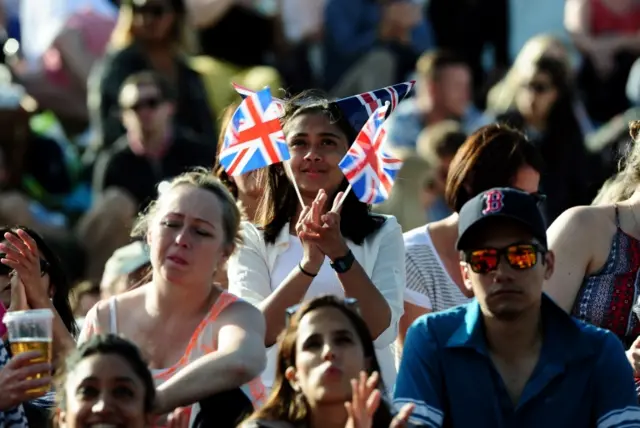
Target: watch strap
(344,263)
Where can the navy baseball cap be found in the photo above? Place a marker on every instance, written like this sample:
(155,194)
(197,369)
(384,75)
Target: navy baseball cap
(502,202)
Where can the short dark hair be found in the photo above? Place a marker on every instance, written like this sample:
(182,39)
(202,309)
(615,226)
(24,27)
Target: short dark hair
(432,62)
(107,344)
(490,157)
(149,78)
(440,140)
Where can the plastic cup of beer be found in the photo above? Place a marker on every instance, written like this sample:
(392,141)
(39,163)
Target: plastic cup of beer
(28,331)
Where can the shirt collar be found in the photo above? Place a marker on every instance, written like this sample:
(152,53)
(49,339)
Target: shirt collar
(563,339)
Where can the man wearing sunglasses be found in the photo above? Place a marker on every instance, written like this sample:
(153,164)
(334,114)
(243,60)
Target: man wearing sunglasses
(512,357)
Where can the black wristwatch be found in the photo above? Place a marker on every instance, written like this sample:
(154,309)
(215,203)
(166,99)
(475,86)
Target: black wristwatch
(344,263)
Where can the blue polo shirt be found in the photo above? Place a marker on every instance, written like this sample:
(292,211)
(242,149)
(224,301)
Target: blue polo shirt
(582,379)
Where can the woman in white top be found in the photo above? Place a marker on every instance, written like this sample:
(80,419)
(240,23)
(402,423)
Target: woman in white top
(493,156)
(295,253)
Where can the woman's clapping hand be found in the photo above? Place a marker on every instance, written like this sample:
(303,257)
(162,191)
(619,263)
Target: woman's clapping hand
(366,398)
(22,255)
(323,228)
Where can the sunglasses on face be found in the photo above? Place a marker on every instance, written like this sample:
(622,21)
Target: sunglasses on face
(6,270)
(518,256)
(152,10)
(349,302)
(150,103)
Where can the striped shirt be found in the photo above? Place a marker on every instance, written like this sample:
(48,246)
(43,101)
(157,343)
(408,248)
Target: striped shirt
(428,283)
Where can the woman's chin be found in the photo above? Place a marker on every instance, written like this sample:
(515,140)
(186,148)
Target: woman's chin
(333,395)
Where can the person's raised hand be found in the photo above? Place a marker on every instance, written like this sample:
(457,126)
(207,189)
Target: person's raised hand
(312,257)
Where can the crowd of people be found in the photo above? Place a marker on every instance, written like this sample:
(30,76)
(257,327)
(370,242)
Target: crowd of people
(496,286)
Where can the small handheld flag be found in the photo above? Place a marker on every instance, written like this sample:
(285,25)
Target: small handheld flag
(357,108)
(370,171)
(254,138)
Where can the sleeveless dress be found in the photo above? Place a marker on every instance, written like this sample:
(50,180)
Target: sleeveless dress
(606,298)
(202,342)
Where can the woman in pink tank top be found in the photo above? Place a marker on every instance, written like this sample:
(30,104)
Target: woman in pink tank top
(205,347)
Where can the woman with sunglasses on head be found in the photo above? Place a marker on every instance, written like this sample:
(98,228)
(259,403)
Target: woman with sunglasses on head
(32,277)
(295,253)
(327,373)
(493,156)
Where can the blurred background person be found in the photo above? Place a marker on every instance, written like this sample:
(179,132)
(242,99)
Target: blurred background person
(384,35)
(606,34)
(544,112)
(442,92)
(150,35)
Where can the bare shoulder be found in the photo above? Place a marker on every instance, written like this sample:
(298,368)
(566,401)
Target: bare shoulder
(581,237)
(244,314)
(583,223)
(124,302)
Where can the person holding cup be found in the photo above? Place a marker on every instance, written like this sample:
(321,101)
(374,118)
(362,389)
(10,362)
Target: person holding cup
(27,375)
(31,330)
(19,385)
(31,277)
(36,280)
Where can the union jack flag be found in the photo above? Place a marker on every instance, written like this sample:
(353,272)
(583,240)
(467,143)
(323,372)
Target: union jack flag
(357,108)
(370,171)
(254,138)
(278,104)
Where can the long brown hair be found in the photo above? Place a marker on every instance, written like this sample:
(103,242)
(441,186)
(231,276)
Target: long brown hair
(284,404)
(490,157)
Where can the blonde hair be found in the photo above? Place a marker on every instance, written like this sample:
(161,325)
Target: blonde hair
(621,186)
(121,36)
(502,95)
(200,178)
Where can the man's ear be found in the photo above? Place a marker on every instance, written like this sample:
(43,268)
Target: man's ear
(549,264)
(466,279)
